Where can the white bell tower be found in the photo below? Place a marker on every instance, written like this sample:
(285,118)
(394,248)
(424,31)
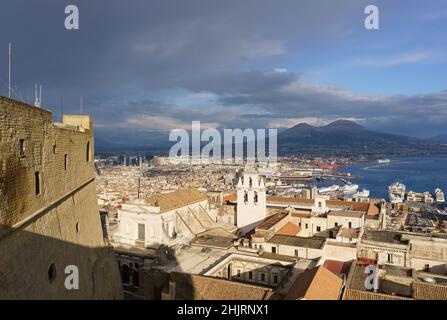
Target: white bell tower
(251,199)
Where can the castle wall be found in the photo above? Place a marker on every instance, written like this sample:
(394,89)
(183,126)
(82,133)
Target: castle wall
(52,221)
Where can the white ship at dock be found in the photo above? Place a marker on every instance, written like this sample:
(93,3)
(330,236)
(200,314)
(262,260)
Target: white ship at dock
(440,198)
(349,189)
(396,192)
(332,188)
(362,194)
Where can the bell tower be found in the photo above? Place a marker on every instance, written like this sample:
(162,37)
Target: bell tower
(251,199)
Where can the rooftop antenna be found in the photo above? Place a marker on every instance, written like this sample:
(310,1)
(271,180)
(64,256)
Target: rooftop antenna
(9,71)
(40,95)
(37,100)
(139,186)
(62,108)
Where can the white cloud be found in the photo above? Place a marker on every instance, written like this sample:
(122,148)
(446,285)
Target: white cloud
(161,123)
(262,48)
(314,121)
(280,70)
(391,61)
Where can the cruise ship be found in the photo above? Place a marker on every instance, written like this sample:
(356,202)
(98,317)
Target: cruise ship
(382,161)
(396,192)
(349,189)
(328,189)
(362,194)
(439,196)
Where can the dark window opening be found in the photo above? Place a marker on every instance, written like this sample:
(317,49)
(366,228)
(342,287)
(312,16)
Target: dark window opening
(136,275)
(65,161)
(37,182)
(318,229)
(262,276)
(125,276)
(273,249)
(22,147)
(87,153)
(275,279)
(52,272)
(350,225)
(250,275)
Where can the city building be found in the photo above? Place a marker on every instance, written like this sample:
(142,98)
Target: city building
(169,219)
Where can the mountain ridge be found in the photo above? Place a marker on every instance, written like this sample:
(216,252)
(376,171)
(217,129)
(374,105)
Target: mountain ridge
(345,137)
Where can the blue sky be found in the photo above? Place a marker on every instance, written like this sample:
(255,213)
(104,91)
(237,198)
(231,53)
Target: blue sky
(153,66)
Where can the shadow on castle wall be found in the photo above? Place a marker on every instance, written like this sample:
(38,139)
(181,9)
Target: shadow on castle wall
(33,266)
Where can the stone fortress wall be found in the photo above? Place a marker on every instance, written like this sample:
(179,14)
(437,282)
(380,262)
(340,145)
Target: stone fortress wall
(49,217)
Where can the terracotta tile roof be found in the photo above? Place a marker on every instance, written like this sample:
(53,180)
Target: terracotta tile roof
(316,284)
(352,294)
(429,291)
(289,229)
(354,206)
(301,215)
(289,200)
(176,199)
(373,209)
(341,267)
(232,197)
(349,214)
(369,207)
(199,287)
(270,221)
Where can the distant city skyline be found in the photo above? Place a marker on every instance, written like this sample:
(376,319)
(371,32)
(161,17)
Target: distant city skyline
(155,66)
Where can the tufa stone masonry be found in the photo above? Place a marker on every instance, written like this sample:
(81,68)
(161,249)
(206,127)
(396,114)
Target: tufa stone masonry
(49,217)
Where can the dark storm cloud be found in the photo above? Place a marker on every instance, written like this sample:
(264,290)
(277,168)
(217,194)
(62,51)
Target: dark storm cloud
(293,98)
(127,52)
(151,44)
